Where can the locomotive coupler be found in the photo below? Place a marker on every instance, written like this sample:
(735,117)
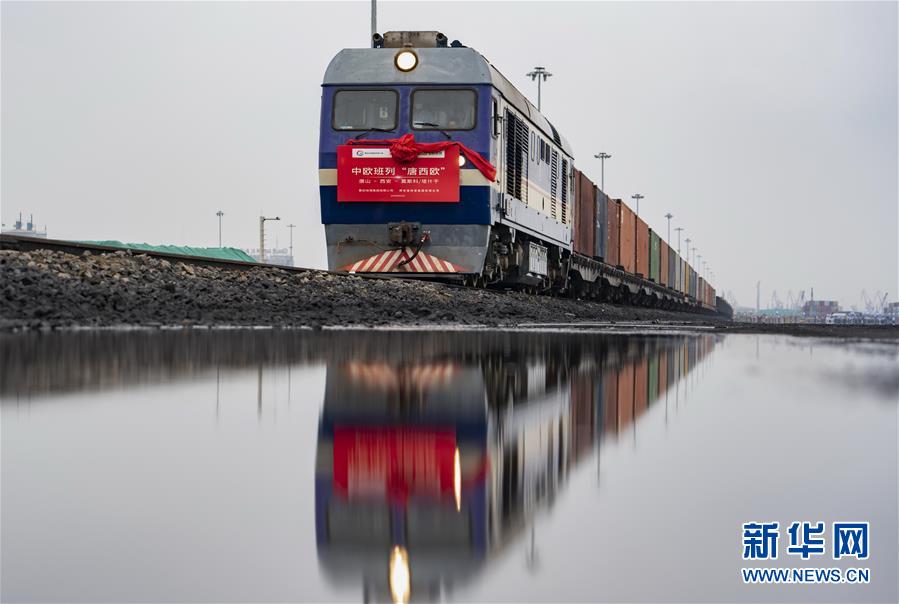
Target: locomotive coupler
(405,233)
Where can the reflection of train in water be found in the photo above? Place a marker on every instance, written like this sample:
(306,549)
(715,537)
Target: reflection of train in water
(428,464)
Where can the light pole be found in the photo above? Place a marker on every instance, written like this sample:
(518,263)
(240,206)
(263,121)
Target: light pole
(262,220)
(220,214)
(637,197)
(291,227)
(694,255)
(602,156)
(678,229)
(540,74)
(374,17)
(688,250)
(669,216)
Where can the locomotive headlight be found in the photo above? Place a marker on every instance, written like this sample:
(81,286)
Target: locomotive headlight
(461,160)
(405,60)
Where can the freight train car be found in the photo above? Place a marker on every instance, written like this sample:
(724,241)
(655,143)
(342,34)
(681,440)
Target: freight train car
(432,164)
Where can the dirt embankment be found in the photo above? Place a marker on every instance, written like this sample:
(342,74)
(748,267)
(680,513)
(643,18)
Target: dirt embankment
(46,289)
(49,290)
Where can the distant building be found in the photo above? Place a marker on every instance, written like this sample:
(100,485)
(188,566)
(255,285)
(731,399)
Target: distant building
(279,256)
(820,308)
(892,309)
(28,229)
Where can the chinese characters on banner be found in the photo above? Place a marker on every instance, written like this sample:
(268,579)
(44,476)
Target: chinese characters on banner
(371,174)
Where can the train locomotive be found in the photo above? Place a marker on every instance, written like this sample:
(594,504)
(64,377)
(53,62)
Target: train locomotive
(433,165)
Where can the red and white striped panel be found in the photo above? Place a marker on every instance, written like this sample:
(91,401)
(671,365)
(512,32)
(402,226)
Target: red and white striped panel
(389,262)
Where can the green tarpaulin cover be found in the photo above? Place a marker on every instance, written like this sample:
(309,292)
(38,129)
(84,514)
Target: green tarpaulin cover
(223,253)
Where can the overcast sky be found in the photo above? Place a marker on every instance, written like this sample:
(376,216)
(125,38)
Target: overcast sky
(768,129)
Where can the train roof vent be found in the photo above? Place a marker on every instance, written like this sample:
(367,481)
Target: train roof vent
(413,39)
(556,136)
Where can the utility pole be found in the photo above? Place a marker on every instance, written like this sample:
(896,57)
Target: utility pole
(291,227)
(262,220)
(220,214)
(540,74)
(669,216)
(637,197)
(602,156)
(374,17)
(758,298)
(678,229)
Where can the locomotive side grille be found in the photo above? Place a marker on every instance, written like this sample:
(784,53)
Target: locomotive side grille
(517,134)
(564,217)
(522,136)
(513,179)
(554,189)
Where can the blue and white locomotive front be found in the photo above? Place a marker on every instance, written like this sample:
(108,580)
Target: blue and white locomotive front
(376,219)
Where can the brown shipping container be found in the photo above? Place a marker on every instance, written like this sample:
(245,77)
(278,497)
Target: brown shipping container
(663,267)
(641,387)
(584,215)
(610,402)
(642,249)
(581,413)
(627,238)
(625,396)
(663,372)
(613,220)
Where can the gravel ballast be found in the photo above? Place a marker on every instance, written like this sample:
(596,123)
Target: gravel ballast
(44,289)
(48,289)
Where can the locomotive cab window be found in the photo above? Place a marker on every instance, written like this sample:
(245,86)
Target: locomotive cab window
(365,110)
(444,109)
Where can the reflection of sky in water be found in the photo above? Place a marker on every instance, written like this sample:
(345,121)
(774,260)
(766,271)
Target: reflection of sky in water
(286,466)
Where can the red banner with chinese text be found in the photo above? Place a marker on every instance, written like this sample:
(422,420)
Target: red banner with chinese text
(371,174)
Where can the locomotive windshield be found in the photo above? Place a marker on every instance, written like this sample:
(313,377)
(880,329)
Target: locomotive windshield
(443,109)
(365,110)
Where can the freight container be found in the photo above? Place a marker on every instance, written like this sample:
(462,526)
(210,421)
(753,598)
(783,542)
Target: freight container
(672,367)
(663,263)
(655,254)
(625,396)
(610,402)
(642,249)
(613,230)
(602,224)
(581,413)
(641,386)
(584,215)
(627,238)
(689,281)
(663,372)
(700,289)
(679,278)
(672,268)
